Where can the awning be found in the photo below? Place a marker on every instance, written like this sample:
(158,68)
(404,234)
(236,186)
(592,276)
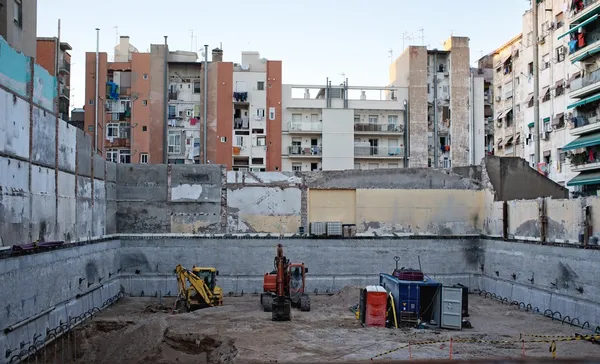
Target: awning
(559,83)
(531,124)
(544,92)
(586,54)
(499,143)
(585,179)
(529,98)
(577,26)
(547,153)
(574,76)
(508,140)
(585,101)
(583,141)
(504,113)
(506,58)
(518,138)
(556,120)
(546,120)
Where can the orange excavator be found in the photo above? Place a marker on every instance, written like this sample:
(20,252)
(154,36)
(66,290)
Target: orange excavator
(284,287)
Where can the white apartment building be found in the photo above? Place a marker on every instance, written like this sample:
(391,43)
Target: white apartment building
(339,127)
(565,78)
(249,113)
(184,111)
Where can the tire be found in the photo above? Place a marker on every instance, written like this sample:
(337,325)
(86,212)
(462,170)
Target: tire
(304,303)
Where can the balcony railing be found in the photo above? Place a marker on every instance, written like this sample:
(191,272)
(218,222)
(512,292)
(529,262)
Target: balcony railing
(241,123)
(64,66)
(582,82)
(299,150)
(173,95)
(64,91)
(381,128)
(304,127)
(379,152)
(586,5)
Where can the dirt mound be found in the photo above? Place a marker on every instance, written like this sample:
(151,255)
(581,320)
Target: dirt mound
(347,296)
(218,350)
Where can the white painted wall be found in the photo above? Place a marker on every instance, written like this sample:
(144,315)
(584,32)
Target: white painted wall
(478,120)
(338,139)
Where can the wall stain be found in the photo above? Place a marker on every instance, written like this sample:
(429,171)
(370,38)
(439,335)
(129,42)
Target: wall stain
(474,252)
(131,261)
(91,272)
(528,228)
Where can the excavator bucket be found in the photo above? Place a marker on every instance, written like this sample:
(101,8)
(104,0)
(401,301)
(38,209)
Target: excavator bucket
(282,308)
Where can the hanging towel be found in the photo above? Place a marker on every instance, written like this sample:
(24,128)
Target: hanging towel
(193,121)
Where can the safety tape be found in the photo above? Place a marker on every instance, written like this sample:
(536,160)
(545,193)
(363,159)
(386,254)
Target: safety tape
(552,349)
(389,351)
(429,342)
(459,340)
(583,337)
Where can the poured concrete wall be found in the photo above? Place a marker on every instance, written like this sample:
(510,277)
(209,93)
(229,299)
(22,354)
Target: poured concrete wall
(560,279)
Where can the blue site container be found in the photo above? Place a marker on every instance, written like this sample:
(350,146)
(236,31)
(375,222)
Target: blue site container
(414,299)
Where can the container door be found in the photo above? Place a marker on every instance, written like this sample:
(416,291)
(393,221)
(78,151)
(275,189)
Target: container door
(451,308)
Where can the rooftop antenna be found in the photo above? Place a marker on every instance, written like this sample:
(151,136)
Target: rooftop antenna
(422,36)
(192,40)
(391,52)
(116,28)
(221,45)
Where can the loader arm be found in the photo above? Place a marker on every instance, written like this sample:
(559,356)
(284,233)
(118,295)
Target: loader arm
(198,284)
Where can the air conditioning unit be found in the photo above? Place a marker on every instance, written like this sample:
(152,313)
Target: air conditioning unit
(549,128)
(544,135)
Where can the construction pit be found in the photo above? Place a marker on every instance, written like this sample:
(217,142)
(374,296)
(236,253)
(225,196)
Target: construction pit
(145,330)
(111,300)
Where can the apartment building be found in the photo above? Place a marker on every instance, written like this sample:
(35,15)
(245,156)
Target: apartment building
(184,108)
(248,111)
(565,56)
(18,25)
(443,126)
(485,69)
(131,123)
(581,39)
(56,59)
(337,127)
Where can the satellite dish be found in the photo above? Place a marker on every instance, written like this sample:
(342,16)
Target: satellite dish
(263,60)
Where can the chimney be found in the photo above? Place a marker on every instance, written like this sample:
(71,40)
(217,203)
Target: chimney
(124,42)
(217,55)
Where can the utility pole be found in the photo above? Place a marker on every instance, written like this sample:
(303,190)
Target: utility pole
(435,111)
(536,83)
(205,128)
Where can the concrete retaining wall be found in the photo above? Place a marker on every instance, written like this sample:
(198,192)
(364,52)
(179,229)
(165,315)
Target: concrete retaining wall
(560,279)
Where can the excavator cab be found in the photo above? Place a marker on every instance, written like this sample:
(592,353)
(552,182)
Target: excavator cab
(208,275)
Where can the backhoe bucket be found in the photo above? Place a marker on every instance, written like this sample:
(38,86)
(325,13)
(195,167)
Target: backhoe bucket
(282,308)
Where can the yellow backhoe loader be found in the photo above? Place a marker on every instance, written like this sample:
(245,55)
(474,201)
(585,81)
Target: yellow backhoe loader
(200,291)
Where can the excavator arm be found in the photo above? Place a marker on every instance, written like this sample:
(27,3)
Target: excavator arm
(196,283)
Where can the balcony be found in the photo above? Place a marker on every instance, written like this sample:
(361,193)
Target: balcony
(370,128)
(64,67)
(304,128)
(313,151)
(368,151)
(587,160)
(584,86)
(173,95)
(583,45)
(584,124)
(64,91)
(240,97)
(241,123)
(119,143)
(589,8)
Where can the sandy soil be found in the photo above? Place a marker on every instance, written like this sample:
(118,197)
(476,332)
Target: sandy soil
(141,330)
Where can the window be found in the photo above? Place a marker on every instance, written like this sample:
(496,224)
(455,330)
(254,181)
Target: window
(260,113)
(529,39)
(91,102)
(174,143)
(145,78)
(90,128)
(296,167)
(144,128)
(562,156)
(258,161)
(261,141)
(271,113)
(124,130)
(498,70)
(112,130)
(560,54)
(144,102)
(124,156)
(144,158)
(172,111)
(559,89)
(356,119)
(530,69)
(428,88)
(260,86)
(314,118)
(197,87)
(447,163)
(258,131)
(546,61)
(373,119)
(559,121)
(112,155)
(18,13)
(559,20)
(240,141)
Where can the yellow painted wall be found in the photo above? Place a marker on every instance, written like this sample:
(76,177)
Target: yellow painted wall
(423,211)
(332,205)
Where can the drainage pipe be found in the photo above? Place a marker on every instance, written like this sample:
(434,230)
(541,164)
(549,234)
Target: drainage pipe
(26,321)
